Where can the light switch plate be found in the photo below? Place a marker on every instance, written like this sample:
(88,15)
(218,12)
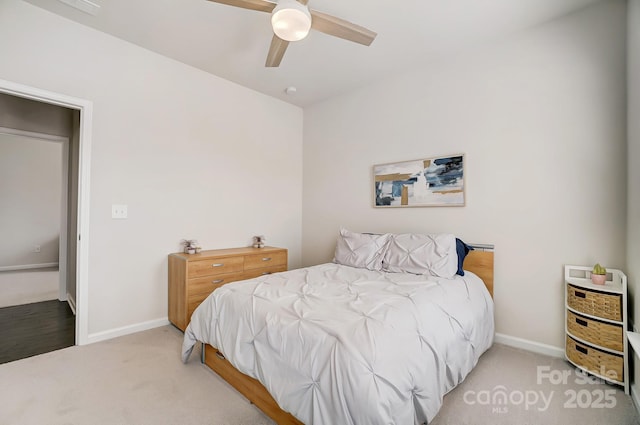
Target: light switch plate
(118,211)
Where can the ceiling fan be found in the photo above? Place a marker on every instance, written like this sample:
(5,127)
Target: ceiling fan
(291,20)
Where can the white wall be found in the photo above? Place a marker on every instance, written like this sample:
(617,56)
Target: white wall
(541,120)
(193,156)
(633,236)
(30,196)
(633,177)
(28,286)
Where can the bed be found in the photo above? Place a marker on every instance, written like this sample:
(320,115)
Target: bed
(355,341)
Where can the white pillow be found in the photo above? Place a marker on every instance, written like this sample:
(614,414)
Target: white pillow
(422,254)
(360,249)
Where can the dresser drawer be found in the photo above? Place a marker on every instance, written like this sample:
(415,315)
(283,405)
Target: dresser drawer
(192,278)
(594,360)
(215,266)
(206,284)
(192,305)
(595,303)
(201,288)
(606,335)
(268,259)
(198,297)
(264,271)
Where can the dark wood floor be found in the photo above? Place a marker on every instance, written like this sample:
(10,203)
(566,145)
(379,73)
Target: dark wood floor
(31,329)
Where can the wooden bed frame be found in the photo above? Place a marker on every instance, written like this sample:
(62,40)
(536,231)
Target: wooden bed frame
(481,263)
(478,262)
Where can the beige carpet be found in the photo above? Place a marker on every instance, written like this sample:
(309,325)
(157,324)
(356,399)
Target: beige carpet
(136,379)
(540,390)
(139,379)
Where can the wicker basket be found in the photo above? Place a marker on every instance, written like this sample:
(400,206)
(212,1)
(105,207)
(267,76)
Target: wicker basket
(595,303)
(600,333)
(596,361)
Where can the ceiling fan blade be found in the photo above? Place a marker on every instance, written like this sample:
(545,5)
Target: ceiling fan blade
(261,5)
(276,52)
(340,28)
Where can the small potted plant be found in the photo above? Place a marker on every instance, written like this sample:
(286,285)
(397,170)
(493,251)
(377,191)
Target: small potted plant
(598,274)
(191,246)
(258,241)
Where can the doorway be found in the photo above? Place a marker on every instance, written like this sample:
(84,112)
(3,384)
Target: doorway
(35,197)
(77,249)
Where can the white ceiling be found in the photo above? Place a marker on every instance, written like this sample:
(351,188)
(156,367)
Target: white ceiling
(233,43)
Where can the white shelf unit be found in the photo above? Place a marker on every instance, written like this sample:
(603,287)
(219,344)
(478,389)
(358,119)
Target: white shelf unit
(596,324)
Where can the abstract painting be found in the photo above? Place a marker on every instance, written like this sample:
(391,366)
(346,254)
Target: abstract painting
(427,182)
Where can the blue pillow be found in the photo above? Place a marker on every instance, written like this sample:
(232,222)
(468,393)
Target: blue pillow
(462,249)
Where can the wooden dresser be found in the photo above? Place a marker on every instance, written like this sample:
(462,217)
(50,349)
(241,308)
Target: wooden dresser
(596,324)
(192,277)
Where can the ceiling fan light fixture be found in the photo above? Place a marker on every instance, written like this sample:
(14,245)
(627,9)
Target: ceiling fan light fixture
(291,21)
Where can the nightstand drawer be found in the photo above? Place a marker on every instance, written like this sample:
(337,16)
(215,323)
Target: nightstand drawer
(268,259)
(595,303)
(606,335)
(215,266)
(594,360)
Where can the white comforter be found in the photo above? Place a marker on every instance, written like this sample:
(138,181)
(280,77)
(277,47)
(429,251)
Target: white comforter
(340,345)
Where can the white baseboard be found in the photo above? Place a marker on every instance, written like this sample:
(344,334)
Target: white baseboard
(28,267)
(126,330)
(525,344)
(72,303)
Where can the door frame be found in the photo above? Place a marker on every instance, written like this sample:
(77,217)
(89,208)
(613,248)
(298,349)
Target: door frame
(85,107)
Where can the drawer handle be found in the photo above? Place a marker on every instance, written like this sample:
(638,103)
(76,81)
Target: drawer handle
(266,259)
(217,281)
(582,349)
(582,322)
(580,294)
(217,265)
(219,355)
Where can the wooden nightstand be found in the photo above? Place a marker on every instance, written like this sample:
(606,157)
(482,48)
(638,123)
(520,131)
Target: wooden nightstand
(192,277)
(596,324)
